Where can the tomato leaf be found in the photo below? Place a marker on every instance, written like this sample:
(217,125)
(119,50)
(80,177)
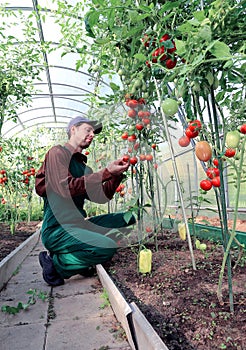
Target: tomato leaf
(140,57)
(114,87)
(199,15)
(220,50)
(169,5)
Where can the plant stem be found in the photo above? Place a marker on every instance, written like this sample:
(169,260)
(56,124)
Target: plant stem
(176,177)
(224,213)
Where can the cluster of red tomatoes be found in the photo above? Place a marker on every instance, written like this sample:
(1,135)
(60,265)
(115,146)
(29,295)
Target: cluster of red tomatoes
(27,173)
(232,140)
(3,201)
(3,177)
(142,119)
(120,190)
(192,131)
(163,52)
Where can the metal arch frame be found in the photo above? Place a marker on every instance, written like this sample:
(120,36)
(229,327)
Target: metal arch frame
(51,95)
(28,127)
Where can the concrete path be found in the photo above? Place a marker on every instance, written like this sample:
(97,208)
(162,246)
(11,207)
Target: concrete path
(73,317)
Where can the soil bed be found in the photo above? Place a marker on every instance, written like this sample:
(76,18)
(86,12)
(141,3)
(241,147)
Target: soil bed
(8,241)
(181,303)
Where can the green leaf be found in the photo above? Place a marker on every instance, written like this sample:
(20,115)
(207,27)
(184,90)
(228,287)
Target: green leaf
(220,50)
(180,47)
(169,5)
(199,15)
(127,216)
(140,57)
(114,87)
(185,28)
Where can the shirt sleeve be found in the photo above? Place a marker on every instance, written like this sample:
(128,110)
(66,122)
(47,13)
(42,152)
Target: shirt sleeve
(98,187)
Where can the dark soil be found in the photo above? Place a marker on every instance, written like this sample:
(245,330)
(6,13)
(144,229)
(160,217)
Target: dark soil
(179,302)
(8,241)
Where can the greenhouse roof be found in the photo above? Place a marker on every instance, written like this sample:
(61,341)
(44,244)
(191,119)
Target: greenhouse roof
(62,92)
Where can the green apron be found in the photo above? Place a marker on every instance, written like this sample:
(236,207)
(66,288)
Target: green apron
(77,243)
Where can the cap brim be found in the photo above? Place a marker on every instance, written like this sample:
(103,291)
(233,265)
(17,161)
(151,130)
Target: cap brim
(97,126)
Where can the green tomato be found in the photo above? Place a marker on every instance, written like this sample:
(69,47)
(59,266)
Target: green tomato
(120,72)
(170,107)
(232,139)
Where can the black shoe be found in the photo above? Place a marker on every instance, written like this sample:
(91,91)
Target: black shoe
(50,275)
(88,272)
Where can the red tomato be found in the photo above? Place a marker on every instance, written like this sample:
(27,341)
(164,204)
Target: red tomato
(148,64)
(230,152)
(133,160)
(165,37)
(170,63)
(216,181)
(195,125)
(142,157)
(132,138)
(212,172)
(1,148)
(146,121)
(136,146)
(2,171)
(124,136)
(141,114)
(243,129)
(159,54)
(149,157)
(216,162)
(141,101)
(145,40)
(203,151)
(191,134)
(86,153)
(153,146)
(132,103)
(126,158)
(155,166)
(132,113)
(206,185)
(171,50)
(147,114)
(184,141)
(139,127)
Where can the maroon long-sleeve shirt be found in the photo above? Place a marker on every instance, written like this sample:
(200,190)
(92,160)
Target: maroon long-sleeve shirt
(55,175)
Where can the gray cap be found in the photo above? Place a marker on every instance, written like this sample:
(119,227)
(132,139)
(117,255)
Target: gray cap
(80,120)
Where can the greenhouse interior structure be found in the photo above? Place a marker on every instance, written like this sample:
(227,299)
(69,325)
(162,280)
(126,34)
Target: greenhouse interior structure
(166,79)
